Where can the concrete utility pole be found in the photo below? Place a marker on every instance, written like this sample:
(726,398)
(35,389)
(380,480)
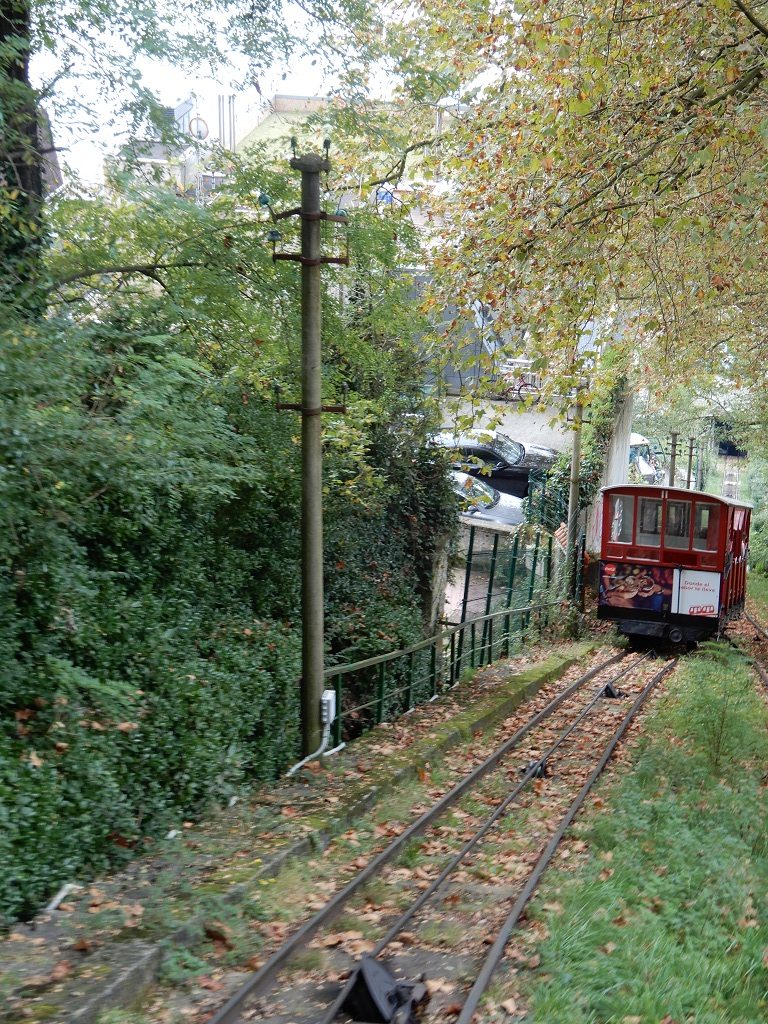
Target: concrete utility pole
(311,167)
(573,497)
(673,459)
(691,443)
(313,625)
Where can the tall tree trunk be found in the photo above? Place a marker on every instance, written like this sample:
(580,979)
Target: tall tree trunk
(21,166)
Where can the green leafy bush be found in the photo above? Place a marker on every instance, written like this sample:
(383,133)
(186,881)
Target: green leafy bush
(757,493)
(150,588)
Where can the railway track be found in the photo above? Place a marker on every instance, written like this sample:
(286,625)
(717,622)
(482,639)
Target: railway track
(731,477)
(480,852)
(759,648)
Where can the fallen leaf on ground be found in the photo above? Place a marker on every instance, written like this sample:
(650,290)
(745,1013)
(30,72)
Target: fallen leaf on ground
(359,946)
(37,981)
(212,984)
(61,970)
(332,940)
(435,985)
(509,1006)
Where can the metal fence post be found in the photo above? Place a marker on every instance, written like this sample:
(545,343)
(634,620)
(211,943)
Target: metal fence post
(489,594)
(582,581)
(380,695)
(532,584)
(512,569)
(337,685)
(467,573)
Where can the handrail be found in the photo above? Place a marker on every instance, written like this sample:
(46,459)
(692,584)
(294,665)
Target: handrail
(354,666)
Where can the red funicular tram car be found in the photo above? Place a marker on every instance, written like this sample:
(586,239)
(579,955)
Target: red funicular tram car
(673,562)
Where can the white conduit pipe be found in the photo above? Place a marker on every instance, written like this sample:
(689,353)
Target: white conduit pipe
(320,750)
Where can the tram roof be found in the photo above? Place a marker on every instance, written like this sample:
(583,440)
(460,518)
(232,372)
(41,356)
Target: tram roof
(673,492)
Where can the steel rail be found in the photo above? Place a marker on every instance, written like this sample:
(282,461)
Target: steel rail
(753,622)
(758,667)
(264,976)
(496,952)
(531,773)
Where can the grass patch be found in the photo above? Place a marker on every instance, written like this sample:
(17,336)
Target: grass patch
(667,919)
(444,934)
(308,961)
(757,589)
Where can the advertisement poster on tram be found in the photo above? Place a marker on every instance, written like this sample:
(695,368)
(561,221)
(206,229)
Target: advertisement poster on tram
(636,586)
(697,592)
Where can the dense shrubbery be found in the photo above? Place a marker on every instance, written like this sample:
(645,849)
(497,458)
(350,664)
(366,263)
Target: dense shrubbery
(149,589)
(757,488)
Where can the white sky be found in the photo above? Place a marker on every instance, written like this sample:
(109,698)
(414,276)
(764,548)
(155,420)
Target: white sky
(83,150)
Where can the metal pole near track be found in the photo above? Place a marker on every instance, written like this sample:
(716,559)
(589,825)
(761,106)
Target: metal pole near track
(312,624)
(311,165)
(673,459)
(573,497)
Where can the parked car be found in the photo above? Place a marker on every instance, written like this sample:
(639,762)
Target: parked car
(484,502)
(496,458)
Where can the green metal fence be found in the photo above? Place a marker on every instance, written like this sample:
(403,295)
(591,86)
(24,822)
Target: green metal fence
(547,502)
(497,569)
(377,689)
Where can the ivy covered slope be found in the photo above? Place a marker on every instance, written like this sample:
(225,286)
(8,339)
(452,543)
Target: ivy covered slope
(149,555)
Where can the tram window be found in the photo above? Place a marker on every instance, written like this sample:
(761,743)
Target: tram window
(706,525)
(649,522)
(622,510)
(678,528)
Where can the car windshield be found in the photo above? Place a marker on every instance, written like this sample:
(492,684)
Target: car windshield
(474,491)
(511,451)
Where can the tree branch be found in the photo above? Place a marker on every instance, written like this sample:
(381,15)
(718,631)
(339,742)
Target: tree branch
(398,169)
(763,29)
(147,269)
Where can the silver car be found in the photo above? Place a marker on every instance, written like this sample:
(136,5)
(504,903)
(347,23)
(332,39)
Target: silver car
(492,456)
(482,501)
